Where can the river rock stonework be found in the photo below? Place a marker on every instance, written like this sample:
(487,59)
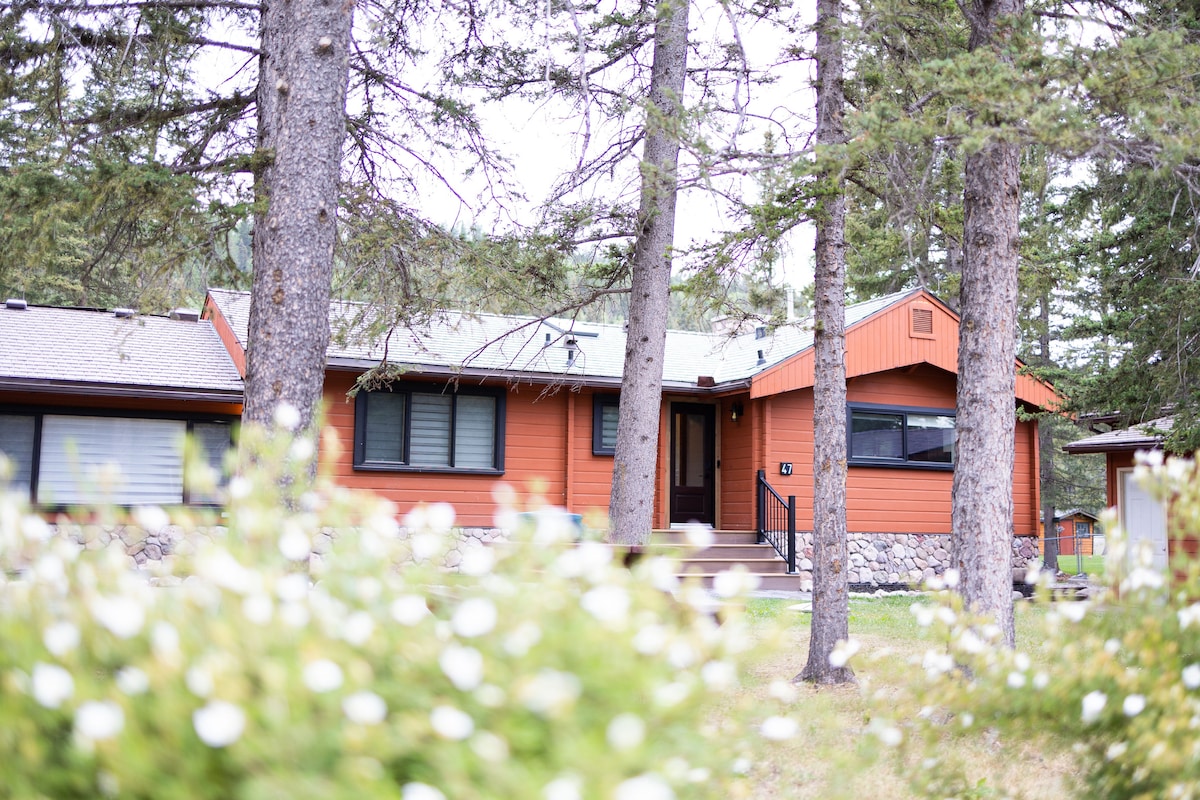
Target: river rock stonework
(892,560)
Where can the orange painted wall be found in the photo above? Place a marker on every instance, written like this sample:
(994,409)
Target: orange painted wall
(888,500)
(548,457)
(738,466)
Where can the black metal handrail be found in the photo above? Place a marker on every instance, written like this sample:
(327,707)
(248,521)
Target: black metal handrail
(777,521)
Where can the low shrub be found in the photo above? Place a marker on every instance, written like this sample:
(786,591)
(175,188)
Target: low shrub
(242,666)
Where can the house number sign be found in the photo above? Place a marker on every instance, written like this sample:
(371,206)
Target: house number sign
(785,468)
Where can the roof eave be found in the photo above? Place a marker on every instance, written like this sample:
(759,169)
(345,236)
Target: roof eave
(120,390)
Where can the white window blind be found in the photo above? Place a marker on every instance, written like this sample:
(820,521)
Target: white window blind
(430,446)
(608,426)
(16,443)
(475,432)
(385,427)
(110,459)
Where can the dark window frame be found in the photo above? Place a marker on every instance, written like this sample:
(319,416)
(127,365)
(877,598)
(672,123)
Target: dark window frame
(599,403)
(901,411)
(1087,529)
(39,412)
(408,389)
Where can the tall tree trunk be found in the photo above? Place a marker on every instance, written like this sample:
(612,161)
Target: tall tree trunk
(1050,542)
(636,457)
(982,505)
(831,599)
(301,124)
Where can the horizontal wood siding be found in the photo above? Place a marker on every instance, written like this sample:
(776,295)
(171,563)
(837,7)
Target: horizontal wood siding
(882,499)
(534,458)
(885,342)
(737,465)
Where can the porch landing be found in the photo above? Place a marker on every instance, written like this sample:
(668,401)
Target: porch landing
(728,549)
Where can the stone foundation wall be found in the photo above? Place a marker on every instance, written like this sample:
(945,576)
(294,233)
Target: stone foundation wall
(876,559)
(892,559)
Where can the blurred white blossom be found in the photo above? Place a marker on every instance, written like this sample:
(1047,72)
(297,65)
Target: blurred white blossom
(99,720)
(52,685)
(1093,705)
(451,723)
(219,723)
(364,708)
(322,675)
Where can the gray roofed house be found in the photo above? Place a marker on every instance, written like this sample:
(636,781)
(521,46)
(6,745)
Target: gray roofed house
(85,351)
(1144,436)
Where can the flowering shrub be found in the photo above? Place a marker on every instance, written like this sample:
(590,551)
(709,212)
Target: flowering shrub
(1117,682)
(243,666)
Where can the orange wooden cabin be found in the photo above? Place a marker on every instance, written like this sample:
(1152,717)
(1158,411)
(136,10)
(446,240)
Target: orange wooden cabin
(1076,532)
(537,401)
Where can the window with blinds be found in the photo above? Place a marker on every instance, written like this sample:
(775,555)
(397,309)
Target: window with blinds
(404,428)
(80,459)
(604,424)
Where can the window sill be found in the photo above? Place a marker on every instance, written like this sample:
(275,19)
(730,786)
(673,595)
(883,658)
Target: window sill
(918,465)
(425,470)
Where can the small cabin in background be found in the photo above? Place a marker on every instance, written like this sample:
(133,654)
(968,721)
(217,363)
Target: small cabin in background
(1076,532)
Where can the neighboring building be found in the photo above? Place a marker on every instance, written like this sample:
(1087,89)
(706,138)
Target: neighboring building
(1076,532)
(533,403)
(84,391)
(1143,517)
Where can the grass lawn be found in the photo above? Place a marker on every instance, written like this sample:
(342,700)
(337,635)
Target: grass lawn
(826,760)
(1092,565)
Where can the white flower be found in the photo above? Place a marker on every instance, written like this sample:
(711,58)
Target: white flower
(420,791)
(425,545)
(199,681)
(302,449)
(287,416)
(475,616)
(644,787)
(490,747)
(843,651)
(650,639)
(741,766)
(783,691)
(1074,612)
(358,628)
(1143,578)
(131,680)
(923,613)
(322,675)
(61,638)
(551,692)
(779,728)
(292,588)
(440,517)
(889,735)
(970,642)
(219,724)
(1021,661)
(699,536)
(151,519)
(294,543)
(409,609)
(1041,680)
(734,582)
(477,561)
(662,573)
(451,723)
(719,675)
(564,787)
(258,608)
(1191,676)
(164,641)
(937,663)
(1149,458)
(522,638)
(122,615)
(951,578)
(607,603)
(681,654)
(1134,704)
(463,666)
(364,708)
(52,685)
(1189,616)
(671,694)
(1115,751)
(1093,704)
(626,731)
(967,720)
(98,720)
(1016,680)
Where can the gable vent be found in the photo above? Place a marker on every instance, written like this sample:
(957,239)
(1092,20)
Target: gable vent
(920,321)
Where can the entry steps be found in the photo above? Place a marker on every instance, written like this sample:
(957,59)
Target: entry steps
(728,549)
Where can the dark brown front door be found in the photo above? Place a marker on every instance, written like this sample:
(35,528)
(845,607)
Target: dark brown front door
(693,462)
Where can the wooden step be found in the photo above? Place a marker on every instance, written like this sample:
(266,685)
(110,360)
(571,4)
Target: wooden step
(778,581)
(727,552)
(756,566)
(677,536)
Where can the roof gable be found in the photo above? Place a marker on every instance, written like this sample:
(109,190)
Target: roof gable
(911,328)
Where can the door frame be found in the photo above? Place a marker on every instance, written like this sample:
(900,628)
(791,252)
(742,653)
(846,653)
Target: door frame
(1124,474)
(711,443)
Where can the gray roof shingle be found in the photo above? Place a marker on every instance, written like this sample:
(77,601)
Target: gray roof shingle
(528,346)
(73,350)
(1136,437)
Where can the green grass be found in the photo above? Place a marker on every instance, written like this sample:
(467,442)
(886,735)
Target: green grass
(1092,565)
